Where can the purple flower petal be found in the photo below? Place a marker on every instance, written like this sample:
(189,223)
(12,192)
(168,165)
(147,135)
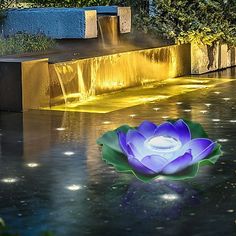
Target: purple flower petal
(147,129)
(183,131)
(139,167)
(199,147)
(167,129)
(155,163)
(204,153)
(133,136)
(178,164)
(123,145)
(135,141)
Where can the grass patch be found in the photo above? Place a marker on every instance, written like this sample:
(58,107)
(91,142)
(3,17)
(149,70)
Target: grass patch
(23,43)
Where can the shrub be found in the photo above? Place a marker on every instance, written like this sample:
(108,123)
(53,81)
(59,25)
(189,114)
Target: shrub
(184,21)
(136,4)
(21,43)
(4,5)
(68,3)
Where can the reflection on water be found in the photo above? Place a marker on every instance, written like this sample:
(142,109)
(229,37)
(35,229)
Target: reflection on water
(158,201)
(52,176)
(155,91)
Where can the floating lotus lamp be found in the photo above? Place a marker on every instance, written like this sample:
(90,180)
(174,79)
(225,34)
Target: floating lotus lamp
(175,149)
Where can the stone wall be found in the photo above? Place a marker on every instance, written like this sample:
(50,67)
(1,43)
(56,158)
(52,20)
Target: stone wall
(206,59)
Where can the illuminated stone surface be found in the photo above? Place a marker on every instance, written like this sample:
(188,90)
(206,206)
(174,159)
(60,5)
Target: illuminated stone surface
(204,59)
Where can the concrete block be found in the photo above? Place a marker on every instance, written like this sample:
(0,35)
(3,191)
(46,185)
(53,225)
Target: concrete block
(223,56)
(228,54)
(124,14)
(227,57)
(10,86)
(57,23)
(204,60)
(233,56)
(35,84)
(91,30)
(24,84)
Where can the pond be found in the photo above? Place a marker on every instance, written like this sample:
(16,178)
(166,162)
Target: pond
(52,177)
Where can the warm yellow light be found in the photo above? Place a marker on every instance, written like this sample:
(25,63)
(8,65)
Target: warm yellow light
(60,129)
(134,96)
(106,122)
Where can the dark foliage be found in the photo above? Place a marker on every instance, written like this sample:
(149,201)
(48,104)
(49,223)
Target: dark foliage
(202,22)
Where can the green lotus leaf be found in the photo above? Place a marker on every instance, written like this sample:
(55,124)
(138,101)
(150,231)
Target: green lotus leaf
(213,157)
(110,138)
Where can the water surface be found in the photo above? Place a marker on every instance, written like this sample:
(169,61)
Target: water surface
(52,176)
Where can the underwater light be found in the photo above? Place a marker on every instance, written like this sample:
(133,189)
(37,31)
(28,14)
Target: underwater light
(169,197)
(106,122)
(208,104)
(165,117)
(223,140)
(69,153)
(203,111)
(32,165)
(60,129)
(74,187)
(216,120)
(9,180)
(230,210)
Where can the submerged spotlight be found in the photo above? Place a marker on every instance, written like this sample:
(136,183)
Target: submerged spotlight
(169,197)
(32,165)
(74,187)
(9,180)
(60,129)
(69,153)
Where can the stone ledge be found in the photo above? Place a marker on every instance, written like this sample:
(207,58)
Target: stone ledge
(57,23)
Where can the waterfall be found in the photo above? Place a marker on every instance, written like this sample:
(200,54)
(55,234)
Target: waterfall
(76,81)
(108,30)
